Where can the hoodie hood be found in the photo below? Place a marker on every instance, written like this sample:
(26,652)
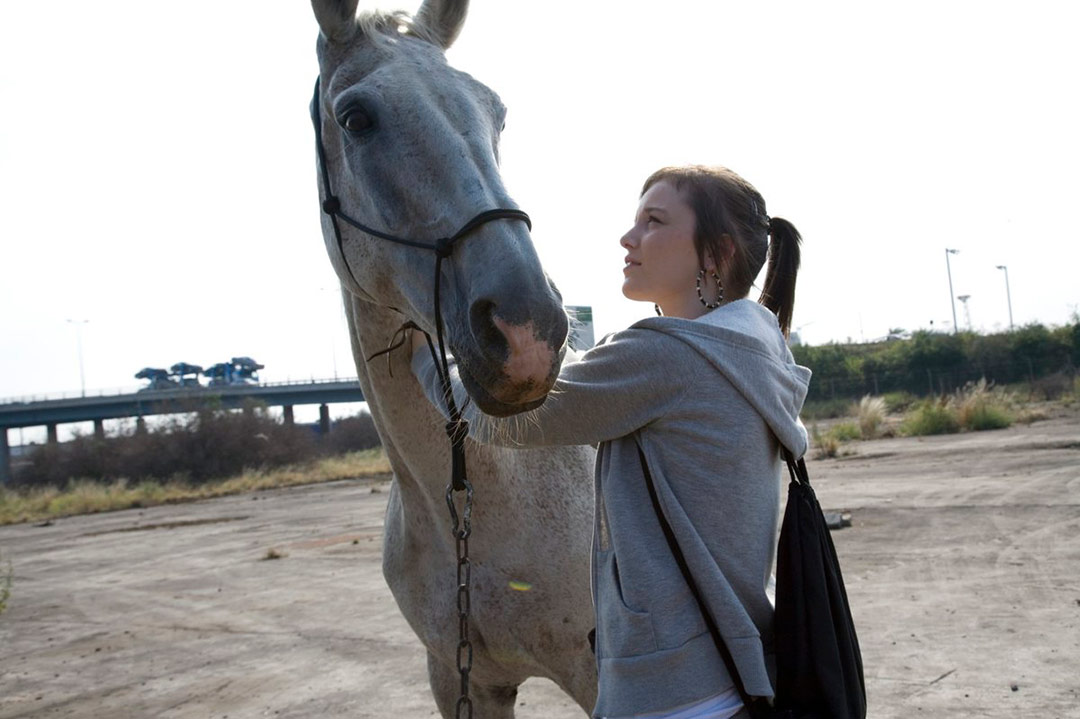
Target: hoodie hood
(742,340)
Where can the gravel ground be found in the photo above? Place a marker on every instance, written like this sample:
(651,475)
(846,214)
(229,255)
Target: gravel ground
(962,565)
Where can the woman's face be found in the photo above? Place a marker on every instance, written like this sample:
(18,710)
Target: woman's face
(661,262)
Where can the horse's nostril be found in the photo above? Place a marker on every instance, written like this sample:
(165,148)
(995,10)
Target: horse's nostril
(488,337)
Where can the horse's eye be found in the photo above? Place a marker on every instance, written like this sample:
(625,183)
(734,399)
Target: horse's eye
(358,121)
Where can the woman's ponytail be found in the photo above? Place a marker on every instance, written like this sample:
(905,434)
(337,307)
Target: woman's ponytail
(779,291)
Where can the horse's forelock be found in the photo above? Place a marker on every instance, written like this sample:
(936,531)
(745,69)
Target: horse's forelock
(382,28)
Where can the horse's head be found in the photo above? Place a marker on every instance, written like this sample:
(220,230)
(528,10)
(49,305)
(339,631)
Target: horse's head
(411,148)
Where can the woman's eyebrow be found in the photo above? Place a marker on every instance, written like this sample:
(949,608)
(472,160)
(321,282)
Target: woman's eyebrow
(660,210)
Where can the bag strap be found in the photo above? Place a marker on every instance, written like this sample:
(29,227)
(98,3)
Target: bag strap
(797,469)
(758,707)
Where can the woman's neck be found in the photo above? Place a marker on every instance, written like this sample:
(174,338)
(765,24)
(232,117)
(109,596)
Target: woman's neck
(687,308)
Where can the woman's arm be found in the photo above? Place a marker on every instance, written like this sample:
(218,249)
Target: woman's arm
(607,392)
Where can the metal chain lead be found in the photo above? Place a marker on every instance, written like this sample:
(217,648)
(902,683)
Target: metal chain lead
(461,531)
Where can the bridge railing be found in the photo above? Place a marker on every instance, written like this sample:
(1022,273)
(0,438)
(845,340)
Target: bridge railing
(135,389)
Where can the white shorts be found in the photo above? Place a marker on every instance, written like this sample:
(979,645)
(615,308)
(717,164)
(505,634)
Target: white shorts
(721,706)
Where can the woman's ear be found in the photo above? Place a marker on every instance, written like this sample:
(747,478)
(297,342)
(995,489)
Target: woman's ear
(710,263)
(727,247)
(727,252)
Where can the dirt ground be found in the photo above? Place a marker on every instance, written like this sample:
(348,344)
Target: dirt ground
(962,565)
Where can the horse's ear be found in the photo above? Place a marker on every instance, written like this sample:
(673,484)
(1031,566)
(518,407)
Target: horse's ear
(440,20)
(337,18)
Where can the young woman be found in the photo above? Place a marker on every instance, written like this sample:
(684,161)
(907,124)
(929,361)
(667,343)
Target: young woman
(707,391)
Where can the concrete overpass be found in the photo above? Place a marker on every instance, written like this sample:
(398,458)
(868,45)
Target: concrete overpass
(141,404)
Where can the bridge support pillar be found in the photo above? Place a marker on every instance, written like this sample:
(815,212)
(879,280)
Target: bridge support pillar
(324,419)
(287,409)
(50,433)
(5,457)
(99,429)
(140,425)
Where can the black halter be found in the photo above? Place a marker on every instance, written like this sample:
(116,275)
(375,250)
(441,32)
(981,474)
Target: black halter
(457,428)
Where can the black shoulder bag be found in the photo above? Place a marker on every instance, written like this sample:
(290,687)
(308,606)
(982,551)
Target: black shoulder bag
(819,673)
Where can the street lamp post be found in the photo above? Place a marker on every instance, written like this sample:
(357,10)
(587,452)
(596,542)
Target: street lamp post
(952,299)
(1008,295)
(78,341)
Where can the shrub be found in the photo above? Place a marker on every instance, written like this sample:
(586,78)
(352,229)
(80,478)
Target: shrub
(201,446)
(870,413)
(980,406)
(988,418)
(897,402)
(939,362)
(845,432)
(1072,393)
(353,434)
(826,408)
(825,446)
(932,416)
(1052,387)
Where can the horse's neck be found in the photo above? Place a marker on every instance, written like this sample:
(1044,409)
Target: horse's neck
(411,430)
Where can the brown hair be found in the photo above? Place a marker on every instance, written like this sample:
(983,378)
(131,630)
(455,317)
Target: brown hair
(730,219)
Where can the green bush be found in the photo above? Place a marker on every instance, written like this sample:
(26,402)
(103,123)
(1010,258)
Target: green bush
(845,432)
(930,417)
(989,417)
(938,362)
(826,408)
(897,402)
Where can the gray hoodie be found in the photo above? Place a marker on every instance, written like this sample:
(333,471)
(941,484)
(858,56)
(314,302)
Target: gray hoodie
(706,400)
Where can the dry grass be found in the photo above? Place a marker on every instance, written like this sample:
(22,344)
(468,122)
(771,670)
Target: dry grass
(931,416)
(1029,414)
(870,414)
(980,406)
(84,496)
(831,442)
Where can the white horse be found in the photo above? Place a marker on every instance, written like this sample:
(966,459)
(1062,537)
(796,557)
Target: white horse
(411,148)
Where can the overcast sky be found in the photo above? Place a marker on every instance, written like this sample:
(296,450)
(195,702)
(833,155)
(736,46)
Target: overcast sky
(157,173)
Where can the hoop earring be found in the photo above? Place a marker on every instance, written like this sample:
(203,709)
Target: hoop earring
(719,290)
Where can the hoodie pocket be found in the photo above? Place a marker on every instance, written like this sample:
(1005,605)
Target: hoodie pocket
(621,631)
